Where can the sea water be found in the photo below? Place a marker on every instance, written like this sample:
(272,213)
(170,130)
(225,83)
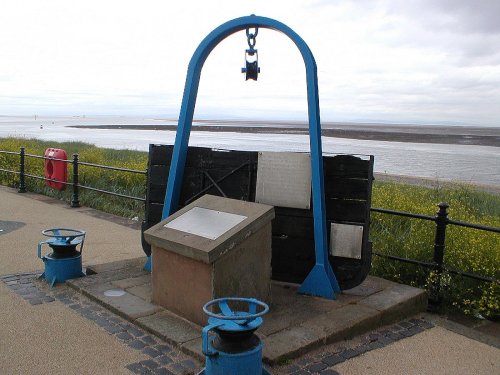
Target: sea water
(447,162)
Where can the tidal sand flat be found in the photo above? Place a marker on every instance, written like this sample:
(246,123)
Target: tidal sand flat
(480,136)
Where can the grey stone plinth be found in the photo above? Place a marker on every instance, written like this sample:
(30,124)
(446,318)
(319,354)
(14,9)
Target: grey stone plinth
(189,269)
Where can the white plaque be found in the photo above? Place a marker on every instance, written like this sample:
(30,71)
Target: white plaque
(284,179)
(204,222)
(346,240)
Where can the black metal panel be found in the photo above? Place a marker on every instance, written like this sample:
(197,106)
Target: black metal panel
(345,188)
(346,166)
(160,154)
(158,174)
(154,212)
(303,227)
(346,210)
(292,258)
(348,187)
(157,193)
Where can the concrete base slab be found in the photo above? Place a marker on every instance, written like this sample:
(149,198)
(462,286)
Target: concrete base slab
(144,292)
(126,305)
(295,324)
(170,327)
(132,282)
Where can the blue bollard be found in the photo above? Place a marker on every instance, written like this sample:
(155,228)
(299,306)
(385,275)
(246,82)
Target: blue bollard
(65,261)
(234,349)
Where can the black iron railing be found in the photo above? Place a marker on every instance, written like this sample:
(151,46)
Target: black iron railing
(437,265)
(76,186)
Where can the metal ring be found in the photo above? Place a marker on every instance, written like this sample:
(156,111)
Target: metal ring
(236,299)
(251,36)
(76,233)
(254,34)
(251,44)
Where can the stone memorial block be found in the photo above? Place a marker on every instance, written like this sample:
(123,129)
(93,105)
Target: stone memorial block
(214,247)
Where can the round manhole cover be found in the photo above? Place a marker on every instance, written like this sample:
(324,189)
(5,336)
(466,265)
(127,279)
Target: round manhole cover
(114,292)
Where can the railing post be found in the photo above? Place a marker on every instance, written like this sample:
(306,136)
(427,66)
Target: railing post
(22,181)
(75,201)
(439,246)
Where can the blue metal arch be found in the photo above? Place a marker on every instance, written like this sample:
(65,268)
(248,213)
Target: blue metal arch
(321,281)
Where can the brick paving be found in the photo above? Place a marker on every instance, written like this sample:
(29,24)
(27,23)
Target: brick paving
(163,358)
(323,363)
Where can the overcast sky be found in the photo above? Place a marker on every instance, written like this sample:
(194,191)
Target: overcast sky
(421,61)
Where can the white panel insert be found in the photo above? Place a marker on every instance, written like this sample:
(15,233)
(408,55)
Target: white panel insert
(284,179)
(346,240)
(204,222)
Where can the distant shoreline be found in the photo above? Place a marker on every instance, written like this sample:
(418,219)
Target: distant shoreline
(412,134)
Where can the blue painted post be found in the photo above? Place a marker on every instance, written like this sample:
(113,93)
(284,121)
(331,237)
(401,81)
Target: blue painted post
(321,280)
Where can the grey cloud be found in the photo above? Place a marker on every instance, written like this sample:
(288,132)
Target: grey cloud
(467,31)
(463,16)
(471,16)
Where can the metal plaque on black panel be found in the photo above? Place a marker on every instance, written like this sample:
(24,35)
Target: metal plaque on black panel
(346,240)
(284,179)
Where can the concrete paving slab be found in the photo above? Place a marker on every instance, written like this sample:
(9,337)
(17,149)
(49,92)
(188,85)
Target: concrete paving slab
(370,286)
(296,323)
(193,348)
(118,265)
(291,343)
(108,276)
(144,292)
(132,281)
(338,324)
(170,327)
(344,322)
(127,305)
(304,307)
(396,301)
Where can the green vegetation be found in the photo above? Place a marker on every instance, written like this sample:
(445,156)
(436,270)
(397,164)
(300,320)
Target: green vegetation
(469,250)
(131,184)
(466,249)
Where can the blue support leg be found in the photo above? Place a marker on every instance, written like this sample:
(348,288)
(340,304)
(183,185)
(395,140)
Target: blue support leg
(320,282)
(148,265)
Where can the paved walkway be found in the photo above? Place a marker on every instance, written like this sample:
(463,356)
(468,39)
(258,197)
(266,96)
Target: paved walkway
(57,331)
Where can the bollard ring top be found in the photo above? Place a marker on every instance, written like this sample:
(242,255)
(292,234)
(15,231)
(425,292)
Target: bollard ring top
(64,234)
(241,318)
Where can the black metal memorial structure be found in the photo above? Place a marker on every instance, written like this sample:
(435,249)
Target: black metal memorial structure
(233,174)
